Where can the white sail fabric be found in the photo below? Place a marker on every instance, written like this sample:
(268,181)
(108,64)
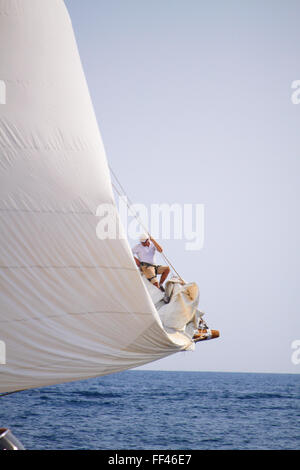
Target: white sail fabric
(179,314)
(71,306)
(182,308)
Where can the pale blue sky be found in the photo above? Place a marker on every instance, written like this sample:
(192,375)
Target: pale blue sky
(198,93)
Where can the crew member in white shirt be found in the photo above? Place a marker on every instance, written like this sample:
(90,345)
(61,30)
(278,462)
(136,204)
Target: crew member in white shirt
(144,255)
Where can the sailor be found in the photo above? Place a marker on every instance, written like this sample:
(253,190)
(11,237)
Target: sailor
(144,255)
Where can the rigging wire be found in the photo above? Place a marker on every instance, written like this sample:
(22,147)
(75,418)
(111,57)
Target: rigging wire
(137,217)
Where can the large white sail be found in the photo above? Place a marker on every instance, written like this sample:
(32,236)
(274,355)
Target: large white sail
(71,306)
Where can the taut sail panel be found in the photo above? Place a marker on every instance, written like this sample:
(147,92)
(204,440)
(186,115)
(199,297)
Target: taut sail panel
(71,306)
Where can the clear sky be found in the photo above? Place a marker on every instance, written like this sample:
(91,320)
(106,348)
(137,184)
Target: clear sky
(193,101)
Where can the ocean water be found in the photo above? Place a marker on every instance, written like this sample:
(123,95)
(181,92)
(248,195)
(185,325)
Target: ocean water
(159,410)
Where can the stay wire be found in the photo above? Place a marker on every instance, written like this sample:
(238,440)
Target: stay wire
(137,217)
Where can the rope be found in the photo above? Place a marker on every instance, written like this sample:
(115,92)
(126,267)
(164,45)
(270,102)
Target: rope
(137,218)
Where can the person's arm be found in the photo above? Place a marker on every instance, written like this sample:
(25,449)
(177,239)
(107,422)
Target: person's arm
(135,256)
(157,246)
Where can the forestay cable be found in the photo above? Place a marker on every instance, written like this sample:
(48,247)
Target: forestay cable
(137,217)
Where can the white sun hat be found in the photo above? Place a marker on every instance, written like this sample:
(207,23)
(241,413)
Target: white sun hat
(144,237)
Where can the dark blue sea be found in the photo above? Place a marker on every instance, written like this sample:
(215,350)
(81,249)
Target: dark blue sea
(159,410)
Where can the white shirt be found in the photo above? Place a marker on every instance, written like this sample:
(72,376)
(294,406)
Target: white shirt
(145,254)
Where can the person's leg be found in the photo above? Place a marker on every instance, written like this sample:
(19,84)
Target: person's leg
(149,272)
(164,271)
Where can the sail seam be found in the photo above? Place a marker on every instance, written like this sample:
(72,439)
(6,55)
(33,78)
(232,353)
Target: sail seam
(66,267)
(74,313)
(33,211)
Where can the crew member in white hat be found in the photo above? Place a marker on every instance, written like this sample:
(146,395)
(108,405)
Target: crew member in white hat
(144,255)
